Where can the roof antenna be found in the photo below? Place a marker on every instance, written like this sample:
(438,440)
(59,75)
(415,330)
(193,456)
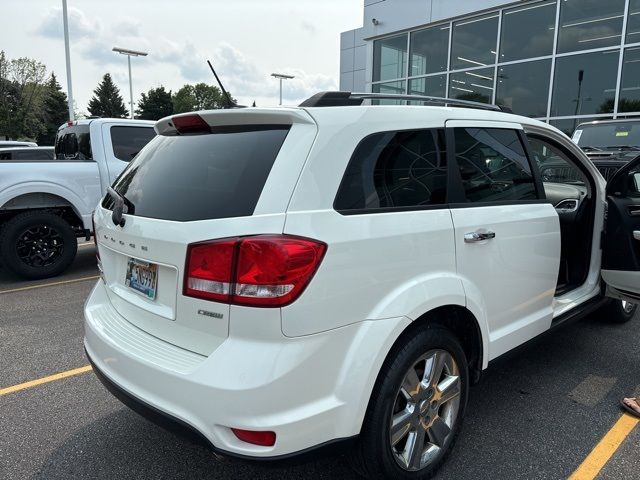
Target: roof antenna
(230,103)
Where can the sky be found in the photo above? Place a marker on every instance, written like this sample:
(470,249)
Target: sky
(246,40)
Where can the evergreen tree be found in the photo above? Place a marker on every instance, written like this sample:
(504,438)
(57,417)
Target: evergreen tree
(107,101)
(155,104)
(54,110)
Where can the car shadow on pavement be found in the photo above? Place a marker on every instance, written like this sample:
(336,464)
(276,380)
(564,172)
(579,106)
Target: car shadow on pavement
(123,445)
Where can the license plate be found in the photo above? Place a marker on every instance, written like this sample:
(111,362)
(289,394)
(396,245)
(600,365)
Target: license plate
(142,277)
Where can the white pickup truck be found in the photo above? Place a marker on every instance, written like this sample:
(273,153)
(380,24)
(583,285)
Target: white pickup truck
(46,205)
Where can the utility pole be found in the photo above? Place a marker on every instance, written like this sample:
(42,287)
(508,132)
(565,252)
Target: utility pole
(65,21)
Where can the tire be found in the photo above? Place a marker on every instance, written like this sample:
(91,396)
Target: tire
(418,411)
(37,244)
(619,311)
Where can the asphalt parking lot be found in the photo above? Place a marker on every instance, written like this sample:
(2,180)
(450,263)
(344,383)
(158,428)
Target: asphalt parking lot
(538,413)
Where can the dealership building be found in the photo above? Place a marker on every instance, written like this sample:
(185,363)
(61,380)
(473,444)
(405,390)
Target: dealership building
(561,61)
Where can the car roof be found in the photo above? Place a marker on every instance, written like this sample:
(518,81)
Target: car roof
(89,121)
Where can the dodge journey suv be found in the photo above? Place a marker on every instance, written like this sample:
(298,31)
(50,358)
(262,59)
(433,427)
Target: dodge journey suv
(278,280)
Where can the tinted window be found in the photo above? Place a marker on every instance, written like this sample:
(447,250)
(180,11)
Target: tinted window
(630,87)
(73,143)
(493,165)
(633,22)
(586,24)
(476,85)
(474,42)
(395,88)
(524,87)
(528,32)
(584,84)
(434,86)
(429,49)
(395,169)
(553,164)
(33,154)
(5,155)
(128,141)
(198,177)
(390,58)
(609,135)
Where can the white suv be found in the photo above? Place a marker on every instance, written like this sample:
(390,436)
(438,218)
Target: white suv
(276,280)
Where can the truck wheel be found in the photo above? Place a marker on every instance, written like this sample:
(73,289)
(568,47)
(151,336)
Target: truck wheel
(37,245)
(416,408)
(619,311)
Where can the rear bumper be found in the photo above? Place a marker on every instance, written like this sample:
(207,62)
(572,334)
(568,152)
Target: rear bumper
(312,391)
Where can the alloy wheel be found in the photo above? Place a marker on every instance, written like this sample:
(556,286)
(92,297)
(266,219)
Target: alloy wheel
(425,410)
(40,246)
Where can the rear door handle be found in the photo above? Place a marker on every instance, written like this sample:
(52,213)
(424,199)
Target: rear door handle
(479,236)
(636,234)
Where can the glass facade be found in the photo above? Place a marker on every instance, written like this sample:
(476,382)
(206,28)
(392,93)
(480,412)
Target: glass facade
(561,61)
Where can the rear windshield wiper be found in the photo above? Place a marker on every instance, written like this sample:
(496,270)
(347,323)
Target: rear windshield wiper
(119,207)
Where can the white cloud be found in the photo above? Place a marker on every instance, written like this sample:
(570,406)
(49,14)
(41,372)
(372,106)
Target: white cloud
(80,26)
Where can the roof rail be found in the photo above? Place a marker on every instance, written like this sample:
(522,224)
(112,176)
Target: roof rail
(340,99)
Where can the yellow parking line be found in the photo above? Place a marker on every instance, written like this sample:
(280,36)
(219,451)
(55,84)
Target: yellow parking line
(40,381)
(605,449)
(50,284)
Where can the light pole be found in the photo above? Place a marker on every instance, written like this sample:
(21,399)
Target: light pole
(281,76)
(65,23)
(129,54)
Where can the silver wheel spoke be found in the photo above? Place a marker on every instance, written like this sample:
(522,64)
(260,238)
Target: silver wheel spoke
(400,426)
(449,388)
(438,432)
(433,368)
(416,449)
(410,384)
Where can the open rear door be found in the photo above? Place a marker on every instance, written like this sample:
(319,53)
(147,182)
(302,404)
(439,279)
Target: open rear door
(621,248)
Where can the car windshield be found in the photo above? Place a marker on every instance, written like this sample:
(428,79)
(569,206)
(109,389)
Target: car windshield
(608,136)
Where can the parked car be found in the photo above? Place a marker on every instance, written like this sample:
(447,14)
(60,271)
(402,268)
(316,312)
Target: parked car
(275,281)
(14,143)
(45,207)
(26,154)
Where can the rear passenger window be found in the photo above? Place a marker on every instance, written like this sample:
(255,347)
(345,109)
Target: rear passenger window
(128,141)
(493,165)
(395,170)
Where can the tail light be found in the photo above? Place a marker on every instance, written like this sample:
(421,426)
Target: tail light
(259,271)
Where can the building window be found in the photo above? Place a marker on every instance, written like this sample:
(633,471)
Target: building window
(429,49)
(633,22)
(395,170)
(434,86)
(390,58)
(527,32)
(524,87)
(630,85)
(474,42)
(586,24)
(585,84)
(394,88)
(493,165)
(475,85)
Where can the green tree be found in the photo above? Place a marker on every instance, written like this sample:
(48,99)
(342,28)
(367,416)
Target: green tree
(199,97)
(21,97)
(55,111)
(155,104)
(106,100)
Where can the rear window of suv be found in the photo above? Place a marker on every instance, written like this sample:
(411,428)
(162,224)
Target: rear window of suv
(200,177)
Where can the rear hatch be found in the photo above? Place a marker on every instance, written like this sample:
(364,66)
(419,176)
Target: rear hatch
(218,175)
